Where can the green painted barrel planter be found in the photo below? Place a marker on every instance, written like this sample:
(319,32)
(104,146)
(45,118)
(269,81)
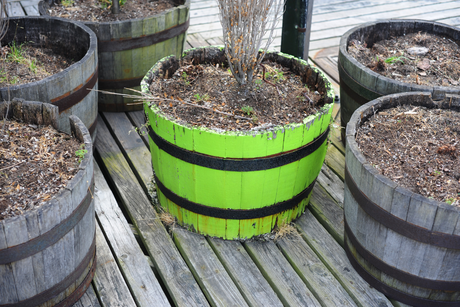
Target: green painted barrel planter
(359,84)
(48,254)
(403,244)
(128,49)
(70,89)
(237,185)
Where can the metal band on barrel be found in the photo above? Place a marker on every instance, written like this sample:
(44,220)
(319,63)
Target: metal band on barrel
(142,41)
(234,214)
(238,165)
(40,243)
(64,284)
(68,100)
(389,291)
(398,225)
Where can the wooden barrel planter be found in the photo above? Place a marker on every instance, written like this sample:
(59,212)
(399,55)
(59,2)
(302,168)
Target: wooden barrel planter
(404,244)
(47,254)
(69,89)
(237,185)
(359,84)
(128,49)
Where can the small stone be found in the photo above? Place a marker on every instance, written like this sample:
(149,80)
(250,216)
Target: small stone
(424,64)
(420,51)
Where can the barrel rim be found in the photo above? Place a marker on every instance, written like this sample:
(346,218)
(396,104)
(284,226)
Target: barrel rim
(92,50)
(93,23)
(280,128)
(373,106)
(343,51)
(85,139)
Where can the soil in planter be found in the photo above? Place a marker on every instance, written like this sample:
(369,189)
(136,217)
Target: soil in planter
(417,58)
(35,163)
(209,96)
(417,148)
(99,10)
(23,63)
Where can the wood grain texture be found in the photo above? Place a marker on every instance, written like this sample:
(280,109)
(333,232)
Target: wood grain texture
(328,213)
(112,288)
(243,271)
(168,262)
(282,277)
(214,280)
(314,273)
(333,256)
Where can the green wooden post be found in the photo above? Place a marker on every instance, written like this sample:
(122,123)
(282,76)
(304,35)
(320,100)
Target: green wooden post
(295,36)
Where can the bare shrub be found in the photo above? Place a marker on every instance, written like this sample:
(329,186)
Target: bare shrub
(244,24)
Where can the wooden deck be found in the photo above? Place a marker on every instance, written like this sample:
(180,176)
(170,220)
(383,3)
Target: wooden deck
(143,263)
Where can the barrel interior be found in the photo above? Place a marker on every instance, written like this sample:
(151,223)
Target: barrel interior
(62,37)
(404,244)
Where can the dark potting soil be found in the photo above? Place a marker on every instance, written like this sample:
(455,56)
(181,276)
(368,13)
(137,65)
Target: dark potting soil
(23,63)
(417,148)
(209,96)
(100,10)
(418,58)
(35,163)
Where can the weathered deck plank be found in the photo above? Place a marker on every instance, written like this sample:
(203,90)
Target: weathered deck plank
(333,256)
(284,280)
(243,271)
(314,273)
(126,252)
(207,269)
(174,273)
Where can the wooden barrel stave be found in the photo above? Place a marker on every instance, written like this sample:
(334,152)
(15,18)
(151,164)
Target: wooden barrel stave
(125,68)
(52,88)
(359,84)
(42,270)
(232,189)
(395,248)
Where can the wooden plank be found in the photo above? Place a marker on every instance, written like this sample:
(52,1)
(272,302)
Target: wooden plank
(14,9)
(169,264)
(335,161)
(332,184)
(138,120)
(108,280)
(131,146)
(325,58)
(196,40)
(244,273)
(129,256)
(333,256)
(314,273)
(284,280)
(31,10)
(328,213)
(207,269)
(89,299)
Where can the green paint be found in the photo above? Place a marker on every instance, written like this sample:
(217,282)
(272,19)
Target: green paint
(236,190)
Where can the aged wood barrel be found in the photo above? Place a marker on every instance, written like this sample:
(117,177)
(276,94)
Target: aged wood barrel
(237,185)
(128,49)
(47,255)
(359,84)
(404,244)
(69,89)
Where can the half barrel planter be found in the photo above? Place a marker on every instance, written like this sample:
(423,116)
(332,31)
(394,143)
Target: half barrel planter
(70,89)
(47,254)
(359,84)
(236,185)
(128,49)
(405,245)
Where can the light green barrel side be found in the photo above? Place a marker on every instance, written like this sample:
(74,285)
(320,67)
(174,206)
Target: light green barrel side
(236,190)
